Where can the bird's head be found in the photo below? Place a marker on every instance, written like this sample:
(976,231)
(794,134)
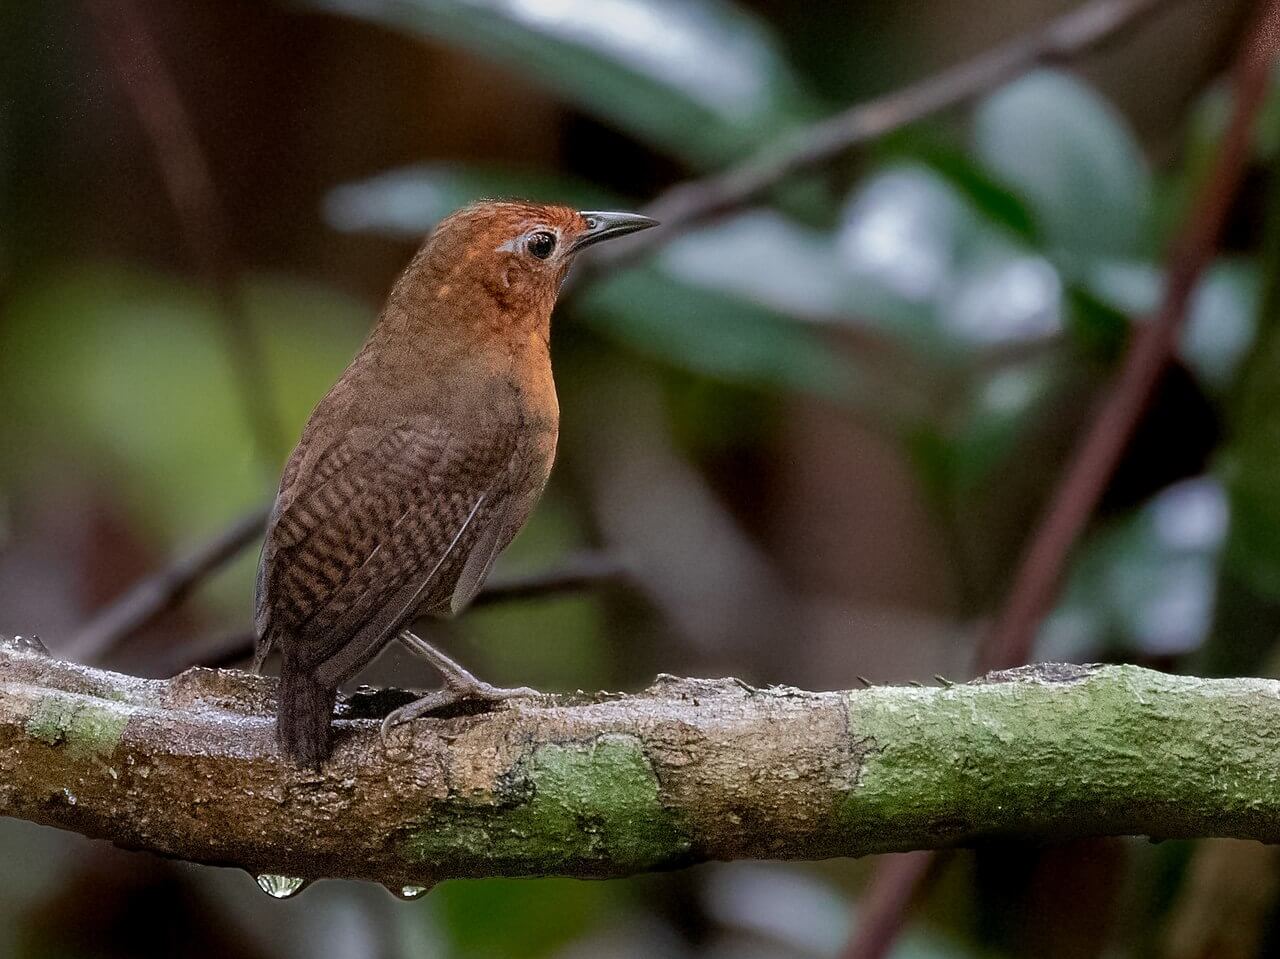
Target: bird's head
(516,253)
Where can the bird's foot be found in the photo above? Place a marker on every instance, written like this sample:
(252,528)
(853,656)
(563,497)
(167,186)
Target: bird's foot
(451,694)
(460,686)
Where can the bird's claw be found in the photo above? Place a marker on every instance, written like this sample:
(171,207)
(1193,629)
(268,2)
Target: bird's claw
(449,695)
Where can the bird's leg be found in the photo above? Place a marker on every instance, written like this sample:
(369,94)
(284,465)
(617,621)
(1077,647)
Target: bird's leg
(459,686)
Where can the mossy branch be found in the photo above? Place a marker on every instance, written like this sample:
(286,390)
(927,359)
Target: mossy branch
(685,771)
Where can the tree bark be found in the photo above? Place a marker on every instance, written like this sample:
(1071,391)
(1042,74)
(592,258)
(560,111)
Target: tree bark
(609,785)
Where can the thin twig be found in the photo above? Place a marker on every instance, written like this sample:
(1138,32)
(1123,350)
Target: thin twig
(686,204)
(188,180)
(1154,343)
(584,570)
(577,573)
(162,590)
(1065,38)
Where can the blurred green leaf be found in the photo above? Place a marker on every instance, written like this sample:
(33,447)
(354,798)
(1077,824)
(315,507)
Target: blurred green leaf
(1212,113)
(408,202)
(1097,327)
(901,236)
(1072,159)
(910,260)
(713,334)
(920,944)
(763,256)
(987,195)
(933,267)
(538,916)
(1221,323)
(1130,287)
(702,79)
(1250,462)
(1221,315)
(1146,583)
(996,419)
(125,374)
(957,456)
(1002,295)
(1250,466)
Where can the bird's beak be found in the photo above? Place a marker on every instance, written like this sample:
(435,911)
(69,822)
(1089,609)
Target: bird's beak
(606,226)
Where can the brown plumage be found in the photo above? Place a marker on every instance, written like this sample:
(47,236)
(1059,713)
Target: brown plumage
(422,462)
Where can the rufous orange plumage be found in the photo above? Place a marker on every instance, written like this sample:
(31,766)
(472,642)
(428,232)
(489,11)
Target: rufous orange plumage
(421,463)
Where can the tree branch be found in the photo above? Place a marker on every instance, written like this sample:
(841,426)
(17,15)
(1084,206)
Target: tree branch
(686,771)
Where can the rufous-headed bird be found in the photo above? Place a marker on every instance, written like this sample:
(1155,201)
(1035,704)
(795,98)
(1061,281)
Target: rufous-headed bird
(421,463)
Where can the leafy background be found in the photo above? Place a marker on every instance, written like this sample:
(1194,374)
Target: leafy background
(817,430)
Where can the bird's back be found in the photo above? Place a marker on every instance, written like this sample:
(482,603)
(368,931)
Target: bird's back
(392,505)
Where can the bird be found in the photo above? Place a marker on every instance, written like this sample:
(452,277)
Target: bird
(421,463)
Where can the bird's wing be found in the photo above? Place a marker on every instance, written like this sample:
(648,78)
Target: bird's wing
(489,543)
(375,527)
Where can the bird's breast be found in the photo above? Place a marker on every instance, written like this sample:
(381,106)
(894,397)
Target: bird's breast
(534,412)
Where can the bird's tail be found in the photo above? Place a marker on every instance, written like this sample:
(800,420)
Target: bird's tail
(304,715)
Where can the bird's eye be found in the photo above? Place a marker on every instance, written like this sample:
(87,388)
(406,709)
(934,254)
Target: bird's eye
(541,244)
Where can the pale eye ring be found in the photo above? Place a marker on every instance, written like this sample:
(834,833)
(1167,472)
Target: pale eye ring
(541,244)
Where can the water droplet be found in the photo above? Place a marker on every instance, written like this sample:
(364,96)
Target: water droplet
(280,887)
(25,644)
(409,892)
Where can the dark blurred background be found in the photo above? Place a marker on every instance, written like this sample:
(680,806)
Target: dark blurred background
(815,432)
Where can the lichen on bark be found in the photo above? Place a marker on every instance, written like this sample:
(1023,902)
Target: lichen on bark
(83,727)
(594,802)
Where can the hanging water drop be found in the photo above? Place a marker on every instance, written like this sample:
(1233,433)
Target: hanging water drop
(280,887)
(409,892)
